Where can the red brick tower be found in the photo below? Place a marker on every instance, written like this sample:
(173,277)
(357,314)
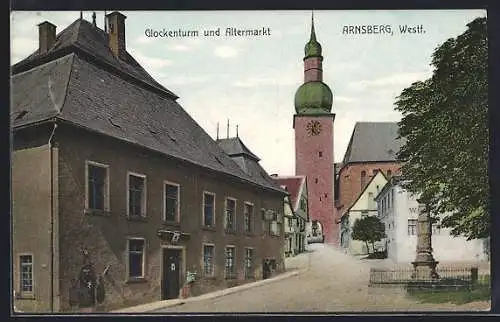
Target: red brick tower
(313,124)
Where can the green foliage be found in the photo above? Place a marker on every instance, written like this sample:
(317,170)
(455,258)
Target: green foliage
(368,229)
(445,127)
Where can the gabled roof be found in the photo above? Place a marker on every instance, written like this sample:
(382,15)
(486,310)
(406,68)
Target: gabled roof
(373,142)
(80,91)
(247,161)
(295,186)
(379,172)
(82,36)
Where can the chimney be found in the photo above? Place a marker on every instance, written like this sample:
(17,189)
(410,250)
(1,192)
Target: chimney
(116,33)
(46,36)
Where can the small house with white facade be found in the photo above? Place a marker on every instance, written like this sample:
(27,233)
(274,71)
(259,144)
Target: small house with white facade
(398,210)
(364,206)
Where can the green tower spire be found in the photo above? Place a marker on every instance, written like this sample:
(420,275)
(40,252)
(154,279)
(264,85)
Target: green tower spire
(313,97)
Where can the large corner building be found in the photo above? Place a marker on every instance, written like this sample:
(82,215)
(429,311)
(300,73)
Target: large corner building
(118,196)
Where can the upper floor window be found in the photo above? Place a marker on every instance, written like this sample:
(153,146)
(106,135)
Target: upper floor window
(26,276)
(136,194)
(135,248)
(364,214)
(172,202)
(363,179)
(208,209)
(303,205)
(389,174)
(263,220)
(375,171)
(230,225)
(412,227)
(97,181)
(320,154)
(248,217)
(276,224)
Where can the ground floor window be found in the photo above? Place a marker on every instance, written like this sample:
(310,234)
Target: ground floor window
(248,263)
(208,260)
(136,258)
(26,266)
(230,268)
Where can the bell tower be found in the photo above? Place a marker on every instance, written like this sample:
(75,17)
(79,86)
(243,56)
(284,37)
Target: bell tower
(313,125)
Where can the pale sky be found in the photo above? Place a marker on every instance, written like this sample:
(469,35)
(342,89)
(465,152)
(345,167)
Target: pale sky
(252,80)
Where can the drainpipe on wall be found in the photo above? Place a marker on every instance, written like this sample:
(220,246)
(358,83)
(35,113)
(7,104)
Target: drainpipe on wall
(51,290)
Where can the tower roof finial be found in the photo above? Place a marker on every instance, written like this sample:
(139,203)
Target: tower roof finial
(313,48)
(313,33)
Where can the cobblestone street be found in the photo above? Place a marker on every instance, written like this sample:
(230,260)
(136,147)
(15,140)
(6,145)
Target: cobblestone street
(335,282)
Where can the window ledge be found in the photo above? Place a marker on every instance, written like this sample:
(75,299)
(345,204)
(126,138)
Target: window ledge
(231,277)
(135,280)
(210,277)
(230,231)
(171,223)
(137,218)
(249,234)
(25,297)
(210,228)
(97,212)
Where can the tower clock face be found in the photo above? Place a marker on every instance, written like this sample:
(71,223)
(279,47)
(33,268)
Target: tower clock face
(314,128)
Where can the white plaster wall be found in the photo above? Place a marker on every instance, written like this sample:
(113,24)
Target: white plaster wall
(447,248)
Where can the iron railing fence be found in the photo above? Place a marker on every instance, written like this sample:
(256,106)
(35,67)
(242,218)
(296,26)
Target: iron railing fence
(448,277)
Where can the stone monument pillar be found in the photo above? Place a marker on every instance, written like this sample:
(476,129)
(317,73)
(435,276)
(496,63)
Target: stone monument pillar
(424,265)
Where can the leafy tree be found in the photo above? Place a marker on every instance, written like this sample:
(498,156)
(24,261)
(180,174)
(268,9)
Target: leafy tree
(369,230)
(445,127)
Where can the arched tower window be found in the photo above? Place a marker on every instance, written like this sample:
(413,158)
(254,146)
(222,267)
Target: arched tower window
(363,179)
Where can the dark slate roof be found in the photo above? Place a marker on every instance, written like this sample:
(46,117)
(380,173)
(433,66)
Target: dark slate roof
(247,161)
(234,147)
(76,90)
(373,141)
(84,36)
(294,185)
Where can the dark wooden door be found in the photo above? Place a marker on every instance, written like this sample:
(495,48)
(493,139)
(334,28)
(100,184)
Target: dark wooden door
(171,273)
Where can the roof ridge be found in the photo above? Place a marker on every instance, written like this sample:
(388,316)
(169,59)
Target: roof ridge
(76,35)
(298,176)
(67,82)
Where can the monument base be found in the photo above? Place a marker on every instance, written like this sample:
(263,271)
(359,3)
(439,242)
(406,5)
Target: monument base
(425,270)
